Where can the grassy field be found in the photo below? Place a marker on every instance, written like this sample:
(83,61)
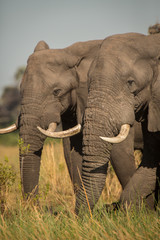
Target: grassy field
(54,218)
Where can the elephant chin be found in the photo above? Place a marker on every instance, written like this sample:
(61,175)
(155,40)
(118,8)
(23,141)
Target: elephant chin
(50,132)
(124,131)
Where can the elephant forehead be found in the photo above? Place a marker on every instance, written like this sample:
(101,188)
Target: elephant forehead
(59,75)
(111,64)
(45,67)
(51,77)
(54,57)
(124,63)
(143,69)
(132,61)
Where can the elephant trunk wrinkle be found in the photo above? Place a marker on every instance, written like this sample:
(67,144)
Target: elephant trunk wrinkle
(96,155)
(111,105)
(29,169)
(31,145)
(100,119)
(93,188)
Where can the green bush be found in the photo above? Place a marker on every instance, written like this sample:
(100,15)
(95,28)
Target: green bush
(7,179)
(7,174)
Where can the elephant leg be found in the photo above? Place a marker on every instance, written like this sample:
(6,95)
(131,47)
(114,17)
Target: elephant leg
(138,136)
(140,187)
(157,192)
(143,183)
(76,160)
(122,159)
(74,163)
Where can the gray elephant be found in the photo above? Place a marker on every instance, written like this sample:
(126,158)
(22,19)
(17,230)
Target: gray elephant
(124,85)
(54,89)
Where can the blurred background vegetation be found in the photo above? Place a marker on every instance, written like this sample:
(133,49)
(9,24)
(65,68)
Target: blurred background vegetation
(10,107)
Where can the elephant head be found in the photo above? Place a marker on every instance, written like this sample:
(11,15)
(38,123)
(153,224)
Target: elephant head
(54,89)
(124,85)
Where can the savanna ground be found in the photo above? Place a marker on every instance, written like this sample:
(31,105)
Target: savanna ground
(55,218)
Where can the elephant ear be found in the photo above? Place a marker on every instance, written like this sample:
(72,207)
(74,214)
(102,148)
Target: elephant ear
(82,93)
(85,52)
(82,90)
(154,106)
(41,46)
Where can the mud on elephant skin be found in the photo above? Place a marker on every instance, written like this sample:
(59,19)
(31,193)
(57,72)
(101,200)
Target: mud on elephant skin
(124,85)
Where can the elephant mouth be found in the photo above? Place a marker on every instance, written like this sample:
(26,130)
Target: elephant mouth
(124,131)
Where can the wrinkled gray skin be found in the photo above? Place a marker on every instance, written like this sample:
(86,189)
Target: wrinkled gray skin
(124,84)
(54,89)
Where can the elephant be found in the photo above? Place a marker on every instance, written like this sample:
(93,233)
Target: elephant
(124,86)
(54,90)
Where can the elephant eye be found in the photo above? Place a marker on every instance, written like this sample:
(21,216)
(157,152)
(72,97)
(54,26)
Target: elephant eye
(56,92)
(130,82)
(132,86)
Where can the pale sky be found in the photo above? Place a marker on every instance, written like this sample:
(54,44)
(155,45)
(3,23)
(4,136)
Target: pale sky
(62,22)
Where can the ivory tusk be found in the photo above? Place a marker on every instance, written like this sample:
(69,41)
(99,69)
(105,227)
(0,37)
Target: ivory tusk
(52,127)
(9,129)
(120,137)
(62,134)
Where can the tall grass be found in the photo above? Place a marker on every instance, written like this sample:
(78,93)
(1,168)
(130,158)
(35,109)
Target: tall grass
(54,218)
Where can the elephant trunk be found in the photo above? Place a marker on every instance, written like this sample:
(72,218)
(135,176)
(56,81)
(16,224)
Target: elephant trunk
(96,154)
(30,149)
(103,117)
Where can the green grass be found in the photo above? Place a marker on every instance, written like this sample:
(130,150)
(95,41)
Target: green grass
(10,139)
(54,218)
(27,223)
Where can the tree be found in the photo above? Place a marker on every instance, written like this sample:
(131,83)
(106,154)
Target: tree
(19,73)
(154,29)
(10,100)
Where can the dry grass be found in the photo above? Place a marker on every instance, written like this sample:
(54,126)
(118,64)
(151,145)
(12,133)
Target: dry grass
(21,221)
(55,180)
(55,185)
